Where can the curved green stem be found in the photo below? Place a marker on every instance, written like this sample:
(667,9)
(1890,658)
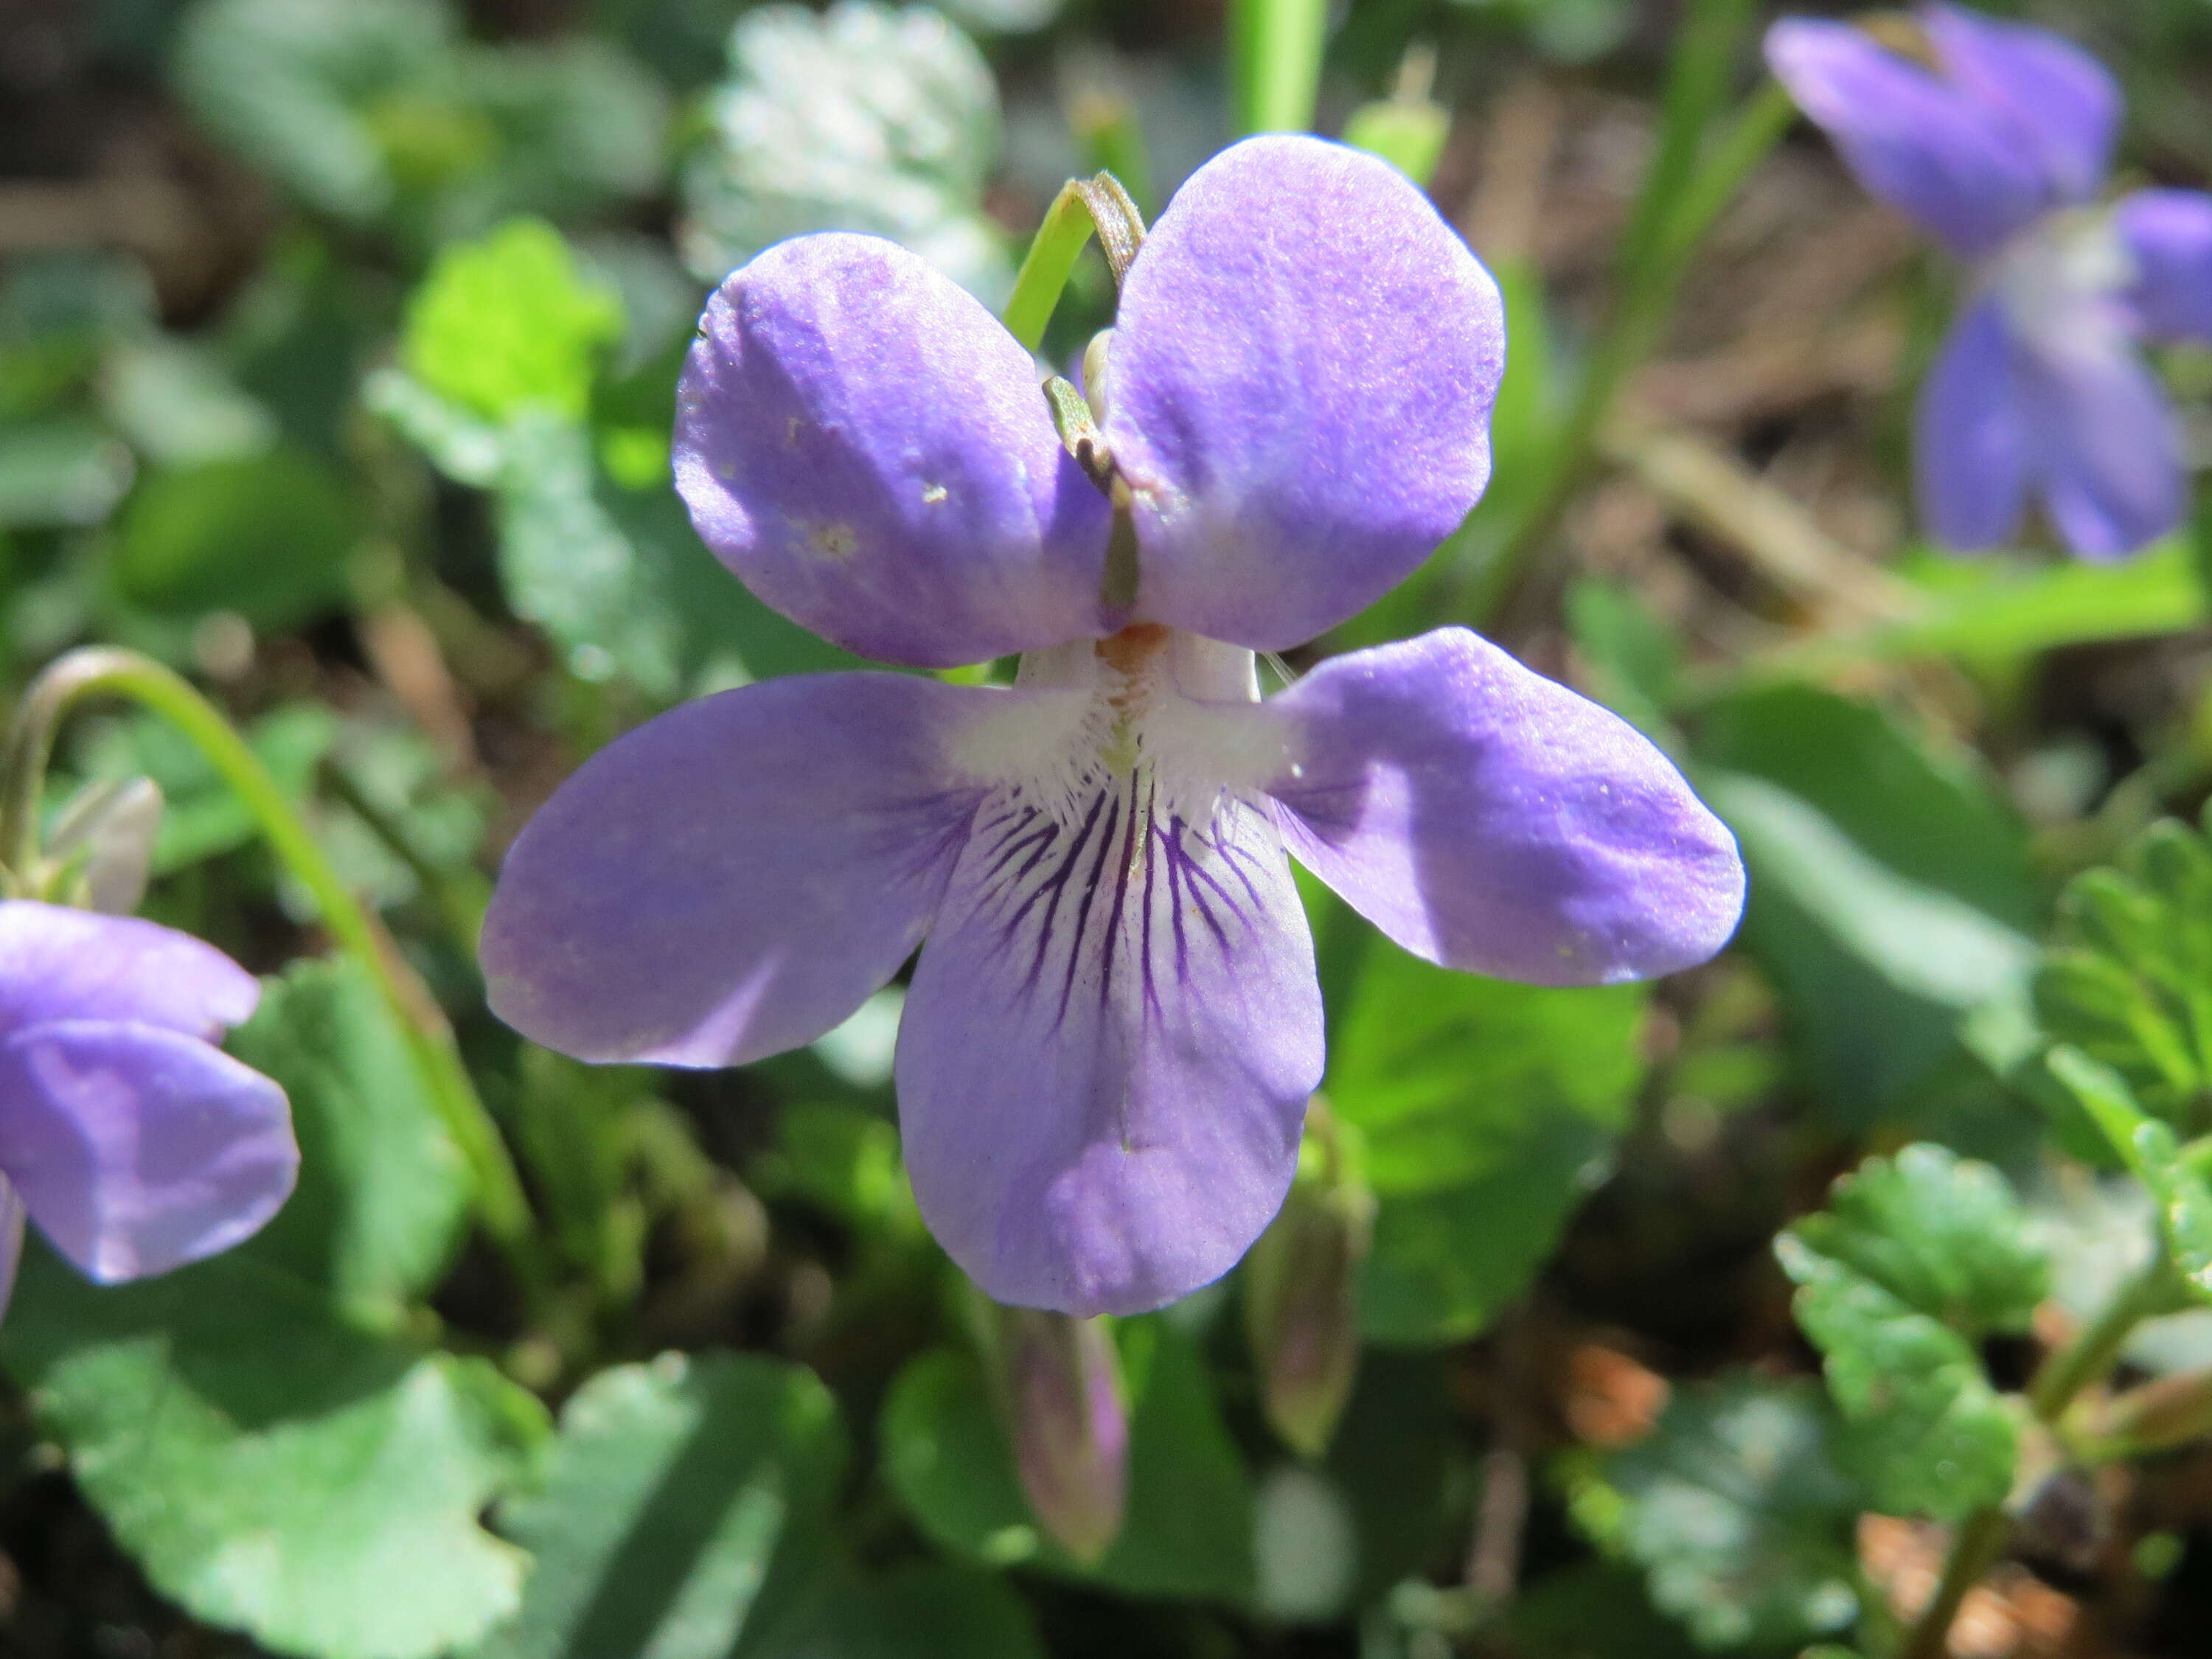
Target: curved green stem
(1982,1537)
(105,672)
(1275,55)
(1098,203)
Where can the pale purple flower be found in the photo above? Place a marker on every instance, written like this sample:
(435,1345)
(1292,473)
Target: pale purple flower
(1114,1025)
(1999,151)
(134,1143)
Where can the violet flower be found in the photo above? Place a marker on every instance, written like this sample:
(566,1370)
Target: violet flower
(1114,1025)
(134,1143)
(1998,150)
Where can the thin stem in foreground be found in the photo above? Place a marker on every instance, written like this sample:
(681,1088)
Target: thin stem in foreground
(105,672)
(1274,55)
(1981,1539)
(1686,187)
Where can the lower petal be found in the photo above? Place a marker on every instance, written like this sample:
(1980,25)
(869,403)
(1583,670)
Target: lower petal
(1109,1043)
(735,878)
(137,1150)
(1969,443)
(2108,452)
(1489,819)
(2169,234)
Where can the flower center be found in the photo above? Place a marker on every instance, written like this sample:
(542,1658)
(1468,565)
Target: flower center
(2060,280)
(1151,710)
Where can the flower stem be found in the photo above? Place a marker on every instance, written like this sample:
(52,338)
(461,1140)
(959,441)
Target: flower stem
(1274,54)
(1084,205)
(1982,1537)
(99,670)
(1685,189)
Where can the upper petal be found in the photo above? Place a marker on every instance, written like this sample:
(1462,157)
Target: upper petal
(2168,232)
(1108,1044)
(1947,160)
(2107,448)
(2059,103)
(735,878)
(1489,819)
(863,443)
(1299,392)
(60,964)
(1970,440)
(137,1149)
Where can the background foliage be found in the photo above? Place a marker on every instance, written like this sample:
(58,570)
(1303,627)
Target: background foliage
(337,342)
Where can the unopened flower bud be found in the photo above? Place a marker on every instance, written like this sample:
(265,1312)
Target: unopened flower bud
(1301,1289)
(1059,1385)
(102,847)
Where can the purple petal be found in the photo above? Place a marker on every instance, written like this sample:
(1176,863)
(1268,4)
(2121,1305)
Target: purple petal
(2049,95)
(1109,1045)
(1947,161)
(1299,391)
(1969,441)
(863,444)
(11,1240)
(60,964)
(2107,450)
(2169,234)
(137,1149)
(1490,820)
(736,877)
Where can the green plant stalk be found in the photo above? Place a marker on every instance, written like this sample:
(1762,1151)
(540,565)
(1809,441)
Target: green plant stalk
(1684,191)
(1048,265)
(1981,1539)
(1274,55)
(101,671)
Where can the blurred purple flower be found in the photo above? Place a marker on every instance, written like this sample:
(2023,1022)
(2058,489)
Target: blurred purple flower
(1114,1027)
(134,1143)
(1998,151)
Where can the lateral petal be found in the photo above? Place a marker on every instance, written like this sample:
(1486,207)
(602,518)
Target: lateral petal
(1489,819)
(2169,234)
(736,877)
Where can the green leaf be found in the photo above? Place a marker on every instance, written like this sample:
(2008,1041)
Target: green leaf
(2177,1187)
(1734,1508)
(931,1612)
(1188,1531)
(266,536)
(506,324)
(1929,1435)
(294,85)
(2128,981)
(271,1469)
(1487,1111)
(382,1190)
(1943,1235)
(1408,133)
(862,118)
(59,470)
(1994,610)
(1890,889)
(620,581)
(684,1501)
